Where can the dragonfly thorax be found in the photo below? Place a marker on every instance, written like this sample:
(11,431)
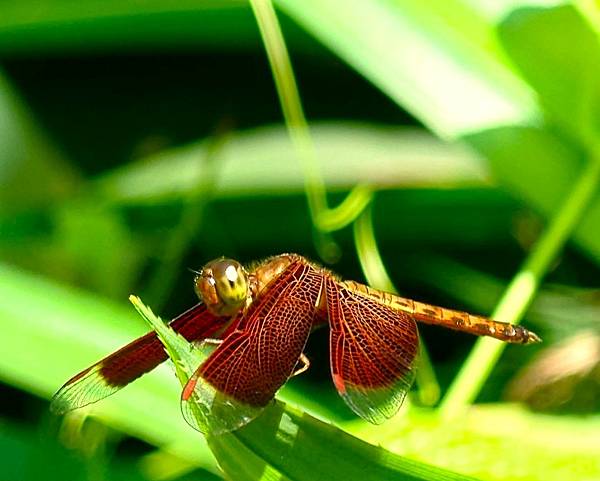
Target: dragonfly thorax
(223,286)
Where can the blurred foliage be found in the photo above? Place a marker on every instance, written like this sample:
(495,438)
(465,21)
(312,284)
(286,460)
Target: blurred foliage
(140,139)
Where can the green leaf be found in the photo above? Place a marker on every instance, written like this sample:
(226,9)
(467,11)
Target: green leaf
(439,60)
(47,26)
(285,441)
(50,25)
(562,69)
(26,149)
(500,442)
(60,331)
(443,62)
(262,162)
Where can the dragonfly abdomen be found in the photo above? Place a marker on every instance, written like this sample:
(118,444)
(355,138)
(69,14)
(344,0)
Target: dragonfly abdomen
(477,325)
(456,320)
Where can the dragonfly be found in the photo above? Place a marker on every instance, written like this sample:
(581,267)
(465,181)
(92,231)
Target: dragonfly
(257,322)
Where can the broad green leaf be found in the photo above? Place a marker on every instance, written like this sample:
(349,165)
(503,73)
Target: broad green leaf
(439,60)
(452,73)
(286,442)
(262,162)
(563,73)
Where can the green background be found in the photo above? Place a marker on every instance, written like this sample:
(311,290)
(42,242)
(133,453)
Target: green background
(140,140)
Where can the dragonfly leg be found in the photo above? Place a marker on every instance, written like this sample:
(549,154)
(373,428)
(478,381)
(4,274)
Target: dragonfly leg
(305,365)
(207,346)
(207,342)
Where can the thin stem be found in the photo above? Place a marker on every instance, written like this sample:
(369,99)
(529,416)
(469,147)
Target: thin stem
(521,290)
(348,210)
(323,218)
(291,105)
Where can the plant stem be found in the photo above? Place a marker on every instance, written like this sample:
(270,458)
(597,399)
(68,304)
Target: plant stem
(323,218)
(521,290)
(289,98)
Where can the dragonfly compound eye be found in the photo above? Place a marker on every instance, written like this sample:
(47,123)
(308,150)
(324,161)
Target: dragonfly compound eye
(223,286)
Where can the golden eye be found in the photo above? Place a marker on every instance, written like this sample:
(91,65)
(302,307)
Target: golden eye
(223,287)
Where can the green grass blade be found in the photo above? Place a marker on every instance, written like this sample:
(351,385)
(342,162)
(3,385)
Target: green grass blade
(323,218)
(291,105)
(292,445)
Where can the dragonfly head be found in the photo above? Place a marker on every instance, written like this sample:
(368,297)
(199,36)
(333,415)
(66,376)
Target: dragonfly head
(222,285)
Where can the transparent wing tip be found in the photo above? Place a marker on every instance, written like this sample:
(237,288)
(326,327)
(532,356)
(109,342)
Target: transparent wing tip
(211,412)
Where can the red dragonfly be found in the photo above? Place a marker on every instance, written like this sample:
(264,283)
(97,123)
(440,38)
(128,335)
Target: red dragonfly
(260,321)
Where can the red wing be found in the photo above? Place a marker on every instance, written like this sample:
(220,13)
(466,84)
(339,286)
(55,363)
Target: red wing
(130,362)
(373,352)
(243,374)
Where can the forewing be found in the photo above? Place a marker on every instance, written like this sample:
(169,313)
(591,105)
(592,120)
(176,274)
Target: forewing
(373,352)
(131,361)
(243,374)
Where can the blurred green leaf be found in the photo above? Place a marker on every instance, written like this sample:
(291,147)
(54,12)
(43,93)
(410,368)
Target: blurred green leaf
(439,60)
(32,168)
(66,330)
(49,26)
(96,243)
(563,73)
(500,442)
(31,454)
(262,162)
(90,25)
(468,89)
